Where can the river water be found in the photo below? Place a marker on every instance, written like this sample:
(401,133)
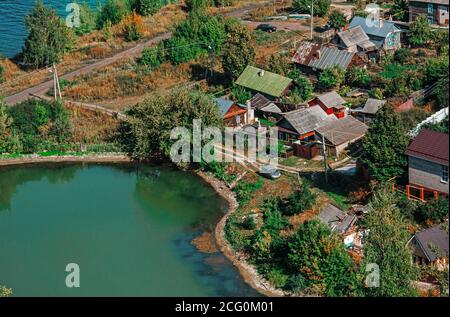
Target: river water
(128,228)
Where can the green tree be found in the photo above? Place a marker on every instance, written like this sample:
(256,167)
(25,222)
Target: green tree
(419,32)
(48,37)
(145,134)
(320,257)
(434,211)
(88,19)
(331,78)
(301,200)
(384,145)
(9,141)
(147,7)
(337,19)
(238,51)
(152,57)
(358,77)
(321,7)
(113,11)
(386,246)
(303,85)
(400,10)
(196,5)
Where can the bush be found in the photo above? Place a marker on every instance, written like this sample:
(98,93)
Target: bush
(147,7)
(434,211)
(277,277)
(358,77)
(152,57)
(245,189)
(331,78)
(321,7)
(303,85)
(133,27)
(301,200)
(113,11)
(88,20)
(297,283)
(2,70)
(241,94)
(402,55)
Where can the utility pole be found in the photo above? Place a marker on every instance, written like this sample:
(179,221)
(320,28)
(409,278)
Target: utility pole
(312,18)
(56,86)
(324,150)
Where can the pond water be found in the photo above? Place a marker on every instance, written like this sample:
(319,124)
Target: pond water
(129,228)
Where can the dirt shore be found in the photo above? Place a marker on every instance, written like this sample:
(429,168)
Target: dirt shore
(33,159)
(247,271)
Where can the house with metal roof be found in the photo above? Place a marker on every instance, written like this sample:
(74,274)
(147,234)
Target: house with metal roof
(384,34)
(428,156)
(339,134)
(267,83)
(368,112)
(354,40)
(301,124)
(435,10)
(430,247)
(233,113)
(330,102)
(312,58)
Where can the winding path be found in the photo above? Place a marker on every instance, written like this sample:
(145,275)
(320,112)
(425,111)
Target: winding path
(40,89)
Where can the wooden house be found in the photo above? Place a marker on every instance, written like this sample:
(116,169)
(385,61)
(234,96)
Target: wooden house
(233,113)
(368,112)
(271,85)
(430,247)
(428,165)
(435,10)
(330,102)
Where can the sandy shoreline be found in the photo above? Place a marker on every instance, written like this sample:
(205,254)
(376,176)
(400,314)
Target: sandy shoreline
(247,271)
(34,159)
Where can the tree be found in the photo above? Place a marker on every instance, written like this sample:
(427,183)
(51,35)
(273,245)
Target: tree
(321,7)
(9,142)
(337,19)
(358,76)
(303,85)
(195,5)
(145,134)
(320,257)
(400,10)
(152,57)
(419,32)
(113,11)
(384,145)
(48,37)
(88,20)
(133,27)
(331,78)
(432,212)
(386,246)
(238,51)
(147,7)
(301,200)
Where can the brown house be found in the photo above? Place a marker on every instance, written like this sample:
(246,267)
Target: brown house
(428,165)
(233,113)
(435,10)
(311,58)
(430,247)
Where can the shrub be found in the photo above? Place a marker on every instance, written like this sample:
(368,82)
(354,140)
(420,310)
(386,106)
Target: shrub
(434,211)
(331,78)
(297,283)
(402,55)
(152,57)
(358,76)
(133,27)
(301,200)
(277,277)
(245,189)
(147,7)
(241,94)
(113,11)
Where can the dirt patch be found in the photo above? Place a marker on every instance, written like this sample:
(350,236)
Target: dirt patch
(205,243)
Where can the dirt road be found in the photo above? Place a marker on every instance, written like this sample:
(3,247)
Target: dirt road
(40,89)
(281,25)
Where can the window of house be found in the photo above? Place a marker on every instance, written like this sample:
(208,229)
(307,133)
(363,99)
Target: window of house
(430,8)
(444,174)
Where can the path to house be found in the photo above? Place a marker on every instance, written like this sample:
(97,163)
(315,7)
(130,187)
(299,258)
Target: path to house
(281,25)
(40,89)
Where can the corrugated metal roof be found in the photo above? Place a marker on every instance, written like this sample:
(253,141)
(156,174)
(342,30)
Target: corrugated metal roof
(373,105)
(263,81)
(353,36)
(374,28)
(343,130)
(443,2)
(259,101)
(331,99)
(336,219)
(308,119)
(225,105)
(431,146)
(312,55)
(273,108)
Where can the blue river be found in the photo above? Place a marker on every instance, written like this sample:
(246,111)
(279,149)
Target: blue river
(12,26)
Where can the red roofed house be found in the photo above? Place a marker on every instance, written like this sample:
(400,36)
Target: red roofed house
(428,165)
(331,103)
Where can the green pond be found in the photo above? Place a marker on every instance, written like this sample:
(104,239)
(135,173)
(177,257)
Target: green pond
(128,227)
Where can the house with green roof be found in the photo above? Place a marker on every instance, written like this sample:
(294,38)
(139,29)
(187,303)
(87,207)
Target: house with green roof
(267,83)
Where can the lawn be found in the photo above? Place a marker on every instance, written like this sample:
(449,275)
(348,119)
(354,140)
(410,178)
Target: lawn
(392,71)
